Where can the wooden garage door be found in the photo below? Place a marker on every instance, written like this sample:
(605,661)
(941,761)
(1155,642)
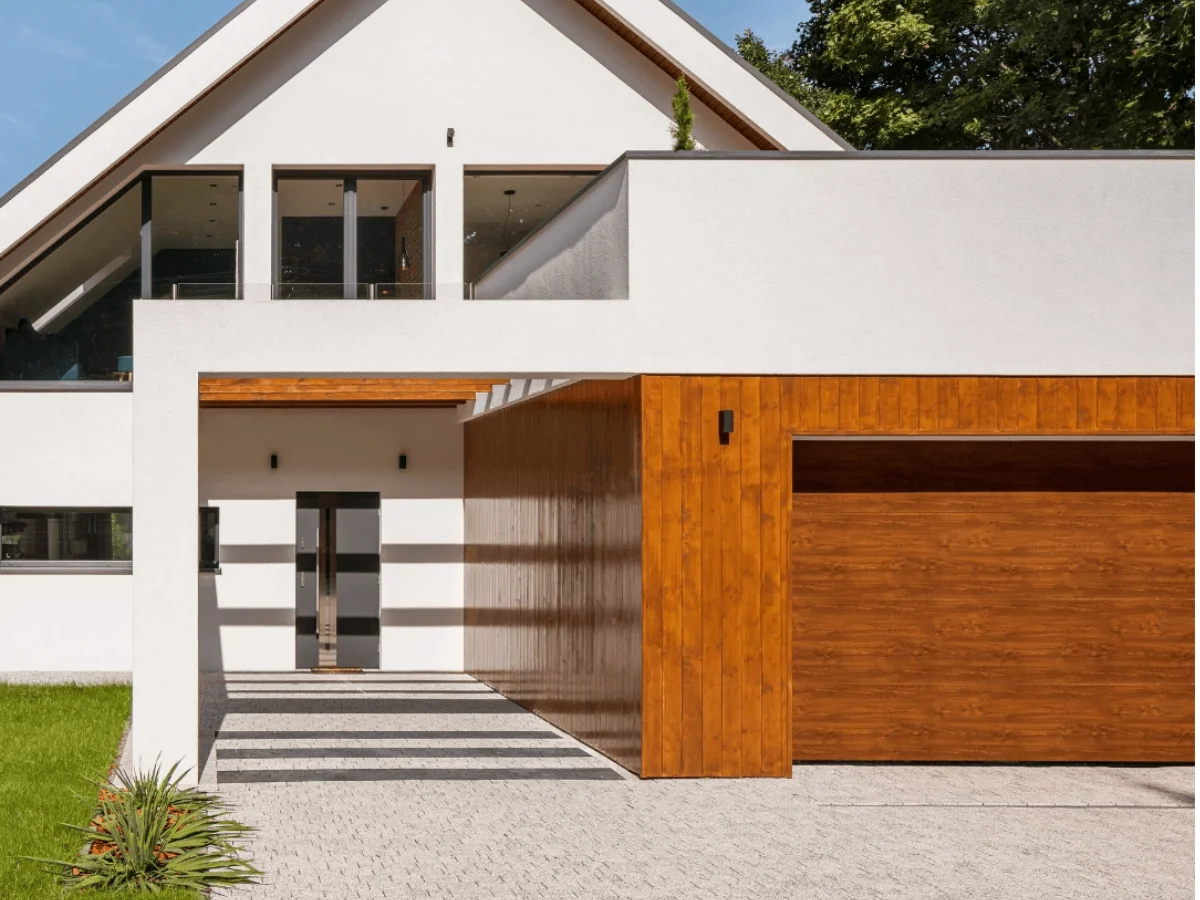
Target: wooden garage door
(991,601)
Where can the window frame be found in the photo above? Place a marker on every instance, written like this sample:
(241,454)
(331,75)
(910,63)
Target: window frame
(207,567)
(68,566)
(141,181)
(350,178)
(592,172)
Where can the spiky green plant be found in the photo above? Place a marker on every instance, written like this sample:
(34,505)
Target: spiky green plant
(685,118)
(151,834)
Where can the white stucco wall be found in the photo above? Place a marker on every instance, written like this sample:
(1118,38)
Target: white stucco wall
(978,265)
(66,449)
(247,611)
(66,623)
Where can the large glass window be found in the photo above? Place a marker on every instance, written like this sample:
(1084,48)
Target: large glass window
(194,236)
(66,537)
(69,317)
(501,209)
(352,237)
(311,238)
(391,238)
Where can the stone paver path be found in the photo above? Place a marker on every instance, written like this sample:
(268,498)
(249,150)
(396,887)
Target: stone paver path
(470,797)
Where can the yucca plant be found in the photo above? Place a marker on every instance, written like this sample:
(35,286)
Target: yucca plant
(150,834)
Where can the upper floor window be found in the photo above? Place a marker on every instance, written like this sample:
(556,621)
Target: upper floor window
(502,208)
(70,538)
(68,315)
(353,237)
(194,236)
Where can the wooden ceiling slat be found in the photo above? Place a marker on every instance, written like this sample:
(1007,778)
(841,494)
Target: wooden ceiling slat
(226,393)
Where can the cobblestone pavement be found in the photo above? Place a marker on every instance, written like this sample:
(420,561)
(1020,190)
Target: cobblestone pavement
(436,825)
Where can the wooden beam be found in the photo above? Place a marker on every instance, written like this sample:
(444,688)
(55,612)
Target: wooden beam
(384,393)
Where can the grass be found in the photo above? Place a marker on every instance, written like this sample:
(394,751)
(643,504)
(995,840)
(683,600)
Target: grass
(53,738)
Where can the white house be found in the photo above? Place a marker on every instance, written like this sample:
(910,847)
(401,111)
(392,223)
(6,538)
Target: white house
(404,307)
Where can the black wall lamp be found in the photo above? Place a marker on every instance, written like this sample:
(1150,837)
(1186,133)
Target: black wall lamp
(449,137)
(403,460)
(725,424)
(274,460)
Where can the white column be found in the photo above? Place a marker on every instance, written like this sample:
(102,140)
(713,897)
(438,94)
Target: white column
(165,581)
(448,230)
(258,225)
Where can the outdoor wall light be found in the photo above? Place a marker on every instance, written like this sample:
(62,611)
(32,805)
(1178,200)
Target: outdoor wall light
(403,460)
(449,137)
(274,460)
(725,424)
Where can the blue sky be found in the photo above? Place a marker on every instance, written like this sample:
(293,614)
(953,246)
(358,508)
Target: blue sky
(64,62)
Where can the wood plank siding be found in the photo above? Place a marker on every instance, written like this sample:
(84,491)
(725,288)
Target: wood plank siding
(317,393)
(717,641)
(553,550)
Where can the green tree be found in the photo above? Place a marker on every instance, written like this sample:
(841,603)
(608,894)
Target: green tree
(994,74)
(685,118)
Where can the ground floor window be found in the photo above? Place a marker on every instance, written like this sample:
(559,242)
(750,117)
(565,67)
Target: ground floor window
(210,539)
(66,537)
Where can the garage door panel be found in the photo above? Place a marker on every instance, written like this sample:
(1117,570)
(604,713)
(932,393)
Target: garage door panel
(915,579)
(951,721)
(944,615)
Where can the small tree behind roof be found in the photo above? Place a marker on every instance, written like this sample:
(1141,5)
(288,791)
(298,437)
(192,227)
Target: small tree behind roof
(681,128)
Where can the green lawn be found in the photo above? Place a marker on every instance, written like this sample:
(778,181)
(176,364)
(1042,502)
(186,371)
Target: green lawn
(52,738)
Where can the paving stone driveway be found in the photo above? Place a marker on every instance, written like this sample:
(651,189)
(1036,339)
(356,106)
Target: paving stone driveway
(420,828)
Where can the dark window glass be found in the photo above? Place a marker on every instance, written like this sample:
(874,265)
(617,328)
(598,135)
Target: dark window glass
(70,316)
(194,236)
(391,238)
(311,238)
(66,537)
(210,538)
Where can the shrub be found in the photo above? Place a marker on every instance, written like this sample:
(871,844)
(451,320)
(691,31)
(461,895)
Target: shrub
(150,834)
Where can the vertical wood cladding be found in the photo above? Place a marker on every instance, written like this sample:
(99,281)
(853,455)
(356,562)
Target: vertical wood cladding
(553,581)
(717,638)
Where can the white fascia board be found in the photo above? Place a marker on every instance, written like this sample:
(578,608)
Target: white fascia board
(696,52)
(75,303)
(181,83)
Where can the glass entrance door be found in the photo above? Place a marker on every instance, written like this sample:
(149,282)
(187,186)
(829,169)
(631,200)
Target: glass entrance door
(337,580)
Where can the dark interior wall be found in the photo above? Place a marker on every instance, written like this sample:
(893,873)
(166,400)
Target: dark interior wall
(554,580)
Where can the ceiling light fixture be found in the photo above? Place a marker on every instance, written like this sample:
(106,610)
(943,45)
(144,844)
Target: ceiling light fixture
(510,193)
(404,261)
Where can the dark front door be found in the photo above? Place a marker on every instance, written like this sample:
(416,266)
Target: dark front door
(337,579)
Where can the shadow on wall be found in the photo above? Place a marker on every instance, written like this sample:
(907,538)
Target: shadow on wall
(249,609)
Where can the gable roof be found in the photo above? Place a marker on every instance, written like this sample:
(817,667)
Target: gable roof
(718,77)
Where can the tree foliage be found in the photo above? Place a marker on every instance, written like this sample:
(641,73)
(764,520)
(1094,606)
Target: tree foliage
(994,74)
(685,117)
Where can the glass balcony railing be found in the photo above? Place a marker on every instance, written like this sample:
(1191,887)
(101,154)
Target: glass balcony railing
(315,291)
